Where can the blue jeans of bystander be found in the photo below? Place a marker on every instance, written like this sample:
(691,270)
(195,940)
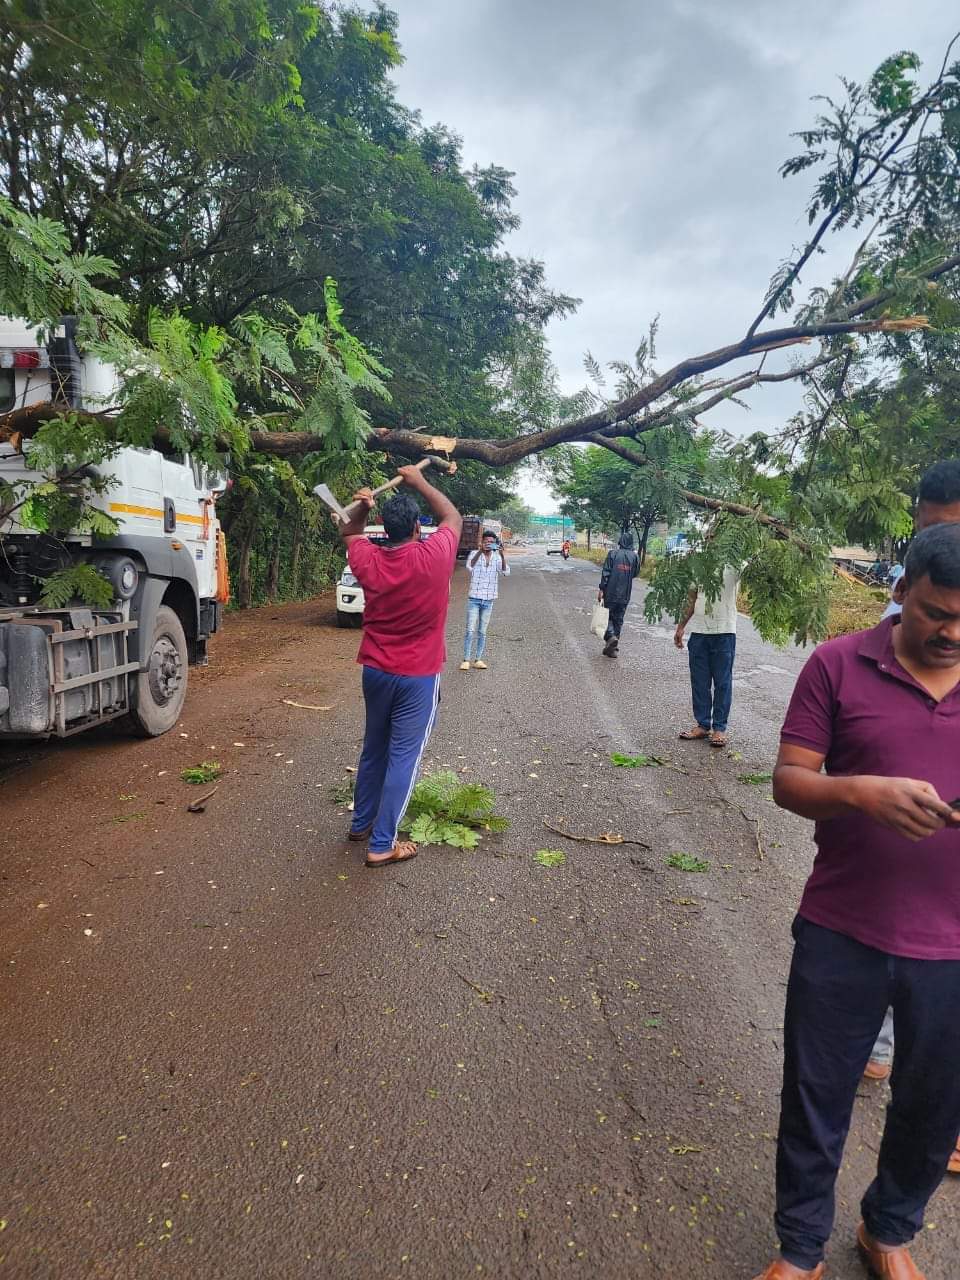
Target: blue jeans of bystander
(478,617)
(711,678)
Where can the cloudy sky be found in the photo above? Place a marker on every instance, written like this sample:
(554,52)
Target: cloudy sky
(646,138)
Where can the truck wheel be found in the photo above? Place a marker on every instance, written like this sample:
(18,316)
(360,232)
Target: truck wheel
(346,619)
(159,692)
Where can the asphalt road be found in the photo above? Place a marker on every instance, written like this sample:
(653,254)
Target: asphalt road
(229,1051)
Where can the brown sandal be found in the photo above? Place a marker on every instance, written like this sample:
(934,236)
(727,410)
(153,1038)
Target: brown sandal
(355,837)
(718,739)
(397,854)
(694,735)
(953,1164)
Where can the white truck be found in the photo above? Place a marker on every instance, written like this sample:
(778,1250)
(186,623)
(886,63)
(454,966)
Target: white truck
(66,669)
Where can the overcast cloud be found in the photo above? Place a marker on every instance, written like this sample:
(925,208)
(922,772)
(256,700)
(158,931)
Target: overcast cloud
(646,140)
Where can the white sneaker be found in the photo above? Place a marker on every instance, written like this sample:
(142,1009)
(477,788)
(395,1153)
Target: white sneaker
(464,666)
(480,664)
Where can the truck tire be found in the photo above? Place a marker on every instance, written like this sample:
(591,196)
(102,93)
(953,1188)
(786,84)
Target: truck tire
(159,692)
(345,619)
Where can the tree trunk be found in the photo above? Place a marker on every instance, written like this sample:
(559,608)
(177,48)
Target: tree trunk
(647,525)
(294,584)
(273,571)
(588,539)
(244,585)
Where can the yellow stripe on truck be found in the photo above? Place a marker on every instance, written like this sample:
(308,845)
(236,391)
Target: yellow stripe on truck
(128,509)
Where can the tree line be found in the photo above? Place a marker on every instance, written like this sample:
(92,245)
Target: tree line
(322,288)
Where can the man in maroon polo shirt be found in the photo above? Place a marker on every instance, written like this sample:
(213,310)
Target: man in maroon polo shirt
(870,749)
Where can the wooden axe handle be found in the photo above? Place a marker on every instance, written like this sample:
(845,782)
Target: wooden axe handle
(429,461)
(398,480)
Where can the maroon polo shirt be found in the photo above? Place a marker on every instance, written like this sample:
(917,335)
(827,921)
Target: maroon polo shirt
(857,706)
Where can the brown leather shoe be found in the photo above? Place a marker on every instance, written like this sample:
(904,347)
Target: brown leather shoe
(953,1164)
(781,1270)
(876,1070)
(897,1265)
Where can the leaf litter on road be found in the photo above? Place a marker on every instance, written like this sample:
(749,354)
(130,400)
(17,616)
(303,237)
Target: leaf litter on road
(550,857)
(198,774)
(687,862)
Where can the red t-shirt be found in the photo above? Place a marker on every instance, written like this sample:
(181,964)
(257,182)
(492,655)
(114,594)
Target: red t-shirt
(406,592)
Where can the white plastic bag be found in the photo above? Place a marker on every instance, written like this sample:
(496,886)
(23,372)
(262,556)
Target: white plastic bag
(600,620)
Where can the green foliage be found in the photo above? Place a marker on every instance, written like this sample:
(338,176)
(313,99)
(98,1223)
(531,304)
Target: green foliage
(513,515)
(755,779)
(786,584)
(446,810)
(76,582)
(687,862)
(342,793)
(41,279)
(207,771)
(550,857)
(633,762)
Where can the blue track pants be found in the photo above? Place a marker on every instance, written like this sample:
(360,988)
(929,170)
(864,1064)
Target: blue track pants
(401,711)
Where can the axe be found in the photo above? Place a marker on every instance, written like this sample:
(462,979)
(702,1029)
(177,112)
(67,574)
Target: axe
(346,514)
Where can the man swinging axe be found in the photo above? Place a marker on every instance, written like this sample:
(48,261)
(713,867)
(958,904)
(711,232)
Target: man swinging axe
(406,587)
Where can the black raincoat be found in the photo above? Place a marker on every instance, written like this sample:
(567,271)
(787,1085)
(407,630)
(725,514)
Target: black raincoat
(619,571)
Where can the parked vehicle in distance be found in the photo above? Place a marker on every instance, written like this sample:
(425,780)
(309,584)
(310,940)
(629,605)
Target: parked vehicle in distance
(350,601)
(469,536)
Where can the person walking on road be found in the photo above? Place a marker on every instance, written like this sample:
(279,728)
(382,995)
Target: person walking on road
(485,567)
(616,587)
(869,751)
(711,649)
(406,587)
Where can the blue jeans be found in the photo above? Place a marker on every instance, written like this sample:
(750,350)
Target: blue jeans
(401,711)
(478,617)
(838,993)
(711,678)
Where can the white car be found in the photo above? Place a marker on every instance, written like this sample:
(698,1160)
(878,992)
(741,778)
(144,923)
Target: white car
(350,600)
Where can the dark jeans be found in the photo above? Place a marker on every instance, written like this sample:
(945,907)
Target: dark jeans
(615,622)
(836,999)
(711,678)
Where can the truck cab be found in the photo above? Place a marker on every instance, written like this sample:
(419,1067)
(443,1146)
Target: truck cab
(66,669)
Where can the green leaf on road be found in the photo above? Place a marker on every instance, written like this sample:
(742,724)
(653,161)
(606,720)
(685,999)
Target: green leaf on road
(633,762)
(550,857)
(208,771)
(687,862)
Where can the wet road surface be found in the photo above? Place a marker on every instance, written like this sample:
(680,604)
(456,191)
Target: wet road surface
(231,1051)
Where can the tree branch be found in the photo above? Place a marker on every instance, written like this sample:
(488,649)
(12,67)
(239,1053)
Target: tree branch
(700,500)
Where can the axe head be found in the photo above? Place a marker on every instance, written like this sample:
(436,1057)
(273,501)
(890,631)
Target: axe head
(322,491)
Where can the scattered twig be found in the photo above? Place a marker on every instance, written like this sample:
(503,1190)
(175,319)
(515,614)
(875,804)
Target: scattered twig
(305,706)
(605,837)
(486,996)
(198,805)
(756,824)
